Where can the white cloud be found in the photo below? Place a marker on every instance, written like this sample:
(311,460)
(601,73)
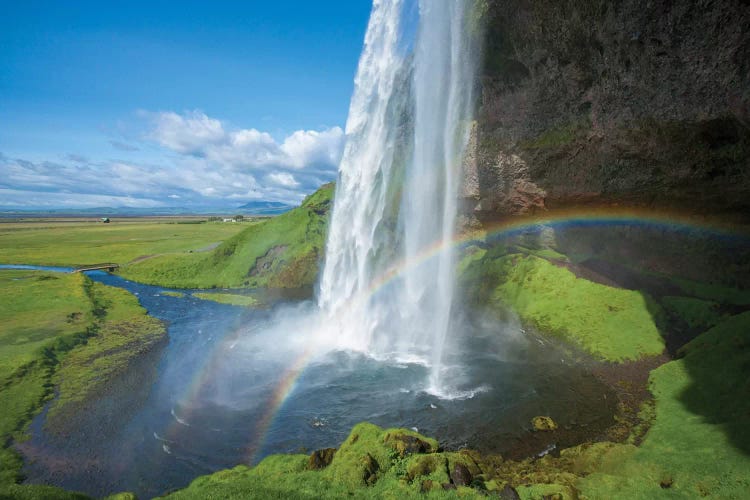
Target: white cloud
(308,147)
(186,134)
(200,161)
(45,199)
(283,179)
(196,134)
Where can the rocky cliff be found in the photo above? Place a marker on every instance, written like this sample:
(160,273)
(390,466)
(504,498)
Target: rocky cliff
(597,102)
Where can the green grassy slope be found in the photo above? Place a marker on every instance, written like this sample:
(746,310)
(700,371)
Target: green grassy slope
(699,443)
(282,252)
(611,323)
(88,334)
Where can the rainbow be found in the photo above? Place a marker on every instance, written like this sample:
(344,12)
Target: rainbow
(501,228)
(559,219)
(283,390)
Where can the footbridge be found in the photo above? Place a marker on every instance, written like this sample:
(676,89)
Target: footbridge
(107,266)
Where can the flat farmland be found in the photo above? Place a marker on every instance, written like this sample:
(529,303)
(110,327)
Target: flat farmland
(79,241)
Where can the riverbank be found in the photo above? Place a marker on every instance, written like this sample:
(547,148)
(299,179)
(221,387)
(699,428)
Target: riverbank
(64,338)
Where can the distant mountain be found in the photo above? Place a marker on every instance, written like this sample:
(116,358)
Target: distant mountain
(6,212)
(265,207)
(251,208)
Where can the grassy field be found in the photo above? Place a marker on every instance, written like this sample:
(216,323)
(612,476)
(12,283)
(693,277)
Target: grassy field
(229,298)
(282,252)
(64,333)
(123,240)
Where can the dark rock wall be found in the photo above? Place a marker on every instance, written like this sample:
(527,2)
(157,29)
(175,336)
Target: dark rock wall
(629,102)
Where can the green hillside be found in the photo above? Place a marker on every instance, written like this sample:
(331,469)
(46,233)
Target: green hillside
(282,252)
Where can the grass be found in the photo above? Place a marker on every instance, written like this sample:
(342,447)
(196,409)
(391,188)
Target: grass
(282,252)
(699,443)
(124,333)
(65,308)
(610,323)
(713,292)
(371,463)
(72,244)
(696,313)
(64,332)
(229,298)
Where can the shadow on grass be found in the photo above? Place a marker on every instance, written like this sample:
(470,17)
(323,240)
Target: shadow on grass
(695,286)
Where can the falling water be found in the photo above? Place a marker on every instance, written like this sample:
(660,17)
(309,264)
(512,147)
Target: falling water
(385,288)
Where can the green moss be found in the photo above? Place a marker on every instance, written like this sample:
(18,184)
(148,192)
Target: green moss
(543,424)
(229,298)
(696,313)
(39,492)
(698,444)
(281,252)
(610,323)
(559,136)
(369,464)
(716,293)
(546,492)
(170,293)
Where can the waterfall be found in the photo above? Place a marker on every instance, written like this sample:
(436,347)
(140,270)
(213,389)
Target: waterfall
(387,284)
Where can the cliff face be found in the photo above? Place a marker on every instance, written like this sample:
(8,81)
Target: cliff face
(629,102)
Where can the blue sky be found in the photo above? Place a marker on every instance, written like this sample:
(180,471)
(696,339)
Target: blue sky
(173,103)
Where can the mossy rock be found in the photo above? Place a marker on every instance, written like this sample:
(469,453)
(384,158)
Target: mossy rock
(320,459)
(406,442)
(543,424)
(434,466)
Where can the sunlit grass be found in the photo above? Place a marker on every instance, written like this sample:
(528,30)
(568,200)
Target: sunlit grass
(282,252)
(611,323)
(64,333)
(70,245)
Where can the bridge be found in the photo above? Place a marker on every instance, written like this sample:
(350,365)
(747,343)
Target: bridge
(108,266)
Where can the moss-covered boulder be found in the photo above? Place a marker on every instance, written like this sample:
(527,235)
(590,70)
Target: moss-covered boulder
(543,424)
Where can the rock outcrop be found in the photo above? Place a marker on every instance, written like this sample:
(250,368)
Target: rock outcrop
(595,102)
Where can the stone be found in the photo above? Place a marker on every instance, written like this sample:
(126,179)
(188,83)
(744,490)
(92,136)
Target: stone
(406,444)
(320,459)
(509,493)
(543,424)
(461,475)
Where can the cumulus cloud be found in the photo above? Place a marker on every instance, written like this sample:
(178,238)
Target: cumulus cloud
(198,160)
(283,179)
(194,133)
